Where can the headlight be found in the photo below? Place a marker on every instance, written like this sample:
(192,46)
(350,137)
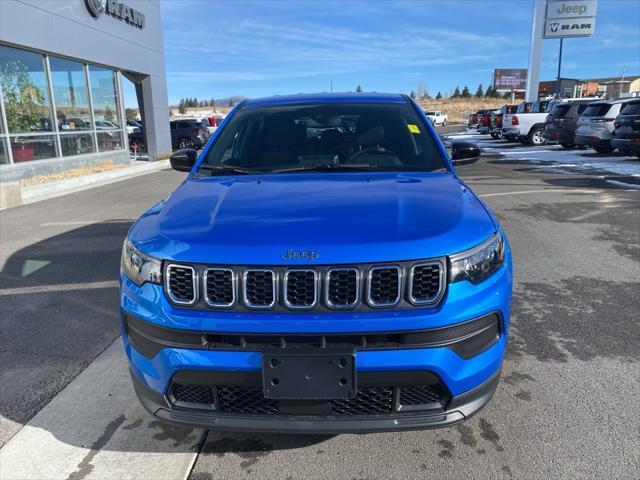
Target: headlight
(480,262)
(139,267)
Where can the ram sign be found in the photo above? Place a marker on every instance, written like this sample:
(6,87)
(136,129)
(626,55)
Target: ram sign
(570,18)
(510,79)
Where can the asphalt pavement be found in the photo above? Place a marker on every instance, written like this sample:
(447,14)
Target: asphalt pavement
(567,405)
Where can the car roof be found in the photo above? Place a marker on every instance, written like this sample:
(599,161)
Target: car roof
(324,98)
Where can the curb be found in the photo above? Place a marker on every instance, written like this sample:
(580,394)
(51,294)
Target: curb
(13,195)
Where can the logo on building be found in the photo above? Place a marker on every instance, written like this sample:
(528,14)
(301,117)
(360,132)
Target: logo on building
(118,10)
(96,7)
(554,26)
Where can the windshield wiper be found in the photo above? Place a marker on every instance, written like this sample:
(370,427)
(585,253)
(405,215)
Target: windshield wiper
(325,167)
(224,169)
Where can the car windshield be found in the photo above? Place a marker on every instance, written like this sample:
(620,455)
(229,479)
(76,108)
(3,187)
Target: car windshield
(596,110)
(380,136)
(430,113)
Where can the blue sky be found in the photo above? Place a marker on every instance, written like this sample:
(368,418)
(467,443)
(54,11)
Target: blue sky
(217,48)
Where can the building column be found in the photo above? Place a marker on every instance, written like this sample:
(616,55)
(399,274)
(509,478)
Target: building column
(151,92)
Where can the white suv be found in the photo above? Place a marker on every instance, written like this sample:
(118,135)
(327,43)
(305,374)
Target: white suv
(595,125)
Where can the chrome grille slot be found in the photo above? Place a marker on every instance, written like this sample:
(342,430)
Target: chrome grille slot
(425,283)
(181,281)
(219,287)
(342,289)
(300,288)
(259,288)
(384,286)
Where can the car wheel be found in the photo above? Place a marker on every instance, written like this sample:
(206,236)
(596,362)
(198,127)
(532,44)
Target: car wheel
(567,145)
(494,135)
(606,149)
(185,143)
(135,145)
(535,137)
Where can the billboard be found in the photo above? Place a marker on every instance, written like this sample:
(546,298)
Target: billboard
(510,79)
(568,18)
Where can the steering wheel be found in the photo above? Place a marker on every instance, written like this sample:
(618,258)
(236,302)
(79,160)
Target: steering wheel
(377,151)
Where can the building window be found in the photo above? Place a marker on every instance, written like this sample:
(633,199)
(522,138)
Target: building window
(71,100)
(85,107)
(104,93)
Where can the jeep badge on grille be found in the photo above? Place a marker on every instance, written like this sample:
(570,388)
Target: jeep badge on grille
(310,255)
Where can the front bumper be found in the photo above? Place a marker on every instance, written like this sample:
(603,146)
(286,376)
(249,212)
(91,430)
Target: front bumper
(459,408)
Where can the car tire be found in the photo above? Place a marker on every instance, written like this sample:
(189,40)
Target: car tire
(607,149)
(535,137)
(185,143)
(567,145)
(494,136)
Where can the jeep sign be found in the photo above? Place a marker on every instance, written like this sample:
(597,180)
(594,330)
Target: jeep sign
(570,18)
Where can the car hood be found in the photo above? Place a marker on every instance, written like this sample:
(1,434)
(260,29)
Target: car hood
(341,217)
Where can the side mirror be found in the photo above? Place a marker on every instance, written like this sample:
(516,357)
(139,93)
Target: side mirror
(464,152)
(183,160)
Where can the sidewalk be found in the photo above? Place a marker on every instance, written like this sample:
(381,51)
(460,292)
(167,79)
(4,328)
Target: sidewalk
(13,194)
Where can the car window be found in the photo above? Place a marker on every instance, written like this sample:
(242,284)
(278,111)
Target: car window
(582,107)
(631,109)
(384,136)
(596,110)
(560,111)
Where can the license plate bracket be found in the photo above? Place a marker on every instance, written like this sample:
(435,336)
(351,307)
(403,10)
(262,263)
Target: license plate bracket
(309,376)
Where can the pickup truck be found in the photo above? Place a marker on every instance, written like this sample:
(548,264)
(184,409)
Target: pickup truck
(321,268)
(437,118)
(495,122)
(484,119)
(527,124)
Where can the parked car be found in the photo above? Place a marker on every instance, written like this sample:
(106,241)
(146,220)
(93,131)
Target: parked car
(495,121)
(484,119)
(626,136)
(436,117)
(527,124)
(137,141)
(473,120)
(188,134)
(596,124)
(133,126)
(562,121)
(260,295)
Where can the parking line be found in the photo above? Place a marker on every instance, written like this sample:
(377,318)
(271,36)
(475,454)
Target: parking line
(548,190)
(63,287)
(96,428)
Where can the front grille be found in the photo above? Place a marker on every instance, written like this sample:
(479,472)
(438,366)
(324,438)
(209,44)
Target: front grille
(300,288)
(243,399)
(384,286)
(219,287)
(421,395)
(343,287)
(368,401)
(181,284)
(319,288)
(187,393)
(259,288)
(424,283)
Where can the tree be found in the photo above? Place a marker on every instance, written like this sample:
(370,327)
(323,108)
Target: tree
(130,113)
(230,103)
(456,93)
(479,91)
(359,88)
(495,93)
(465,92)
(23,100)
(489,92)
(212,104)
(421,91)
(506,95)
(412,95)
(170,113)
(438,96)
(181,106)
(108,114)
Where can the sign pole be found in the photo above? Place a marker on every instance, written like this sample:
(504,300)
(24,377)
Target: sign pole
(559,65)
(535,51)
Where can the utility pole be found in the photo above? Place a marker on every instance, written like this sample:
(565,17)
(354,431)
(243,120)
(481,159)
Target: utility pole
(624,70)
(559,65)
(332,86)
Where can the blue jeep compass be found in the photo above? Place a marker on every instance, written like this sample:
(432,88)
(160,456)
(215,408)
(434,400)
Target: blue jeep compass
(321,269)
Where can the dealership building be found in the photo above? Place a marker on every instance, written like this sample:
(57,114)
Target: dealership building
(62,64)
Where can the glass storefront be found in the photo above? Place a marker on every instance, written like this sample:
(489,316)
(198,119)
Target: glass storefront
(54,107)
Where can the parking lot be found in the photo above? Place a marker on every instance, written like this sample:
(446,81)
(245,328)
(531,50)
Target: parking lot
(566,406)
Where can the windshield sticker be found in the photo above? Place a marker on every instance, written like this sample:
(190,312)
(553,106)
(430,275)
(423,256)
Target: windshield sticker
(413,128)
